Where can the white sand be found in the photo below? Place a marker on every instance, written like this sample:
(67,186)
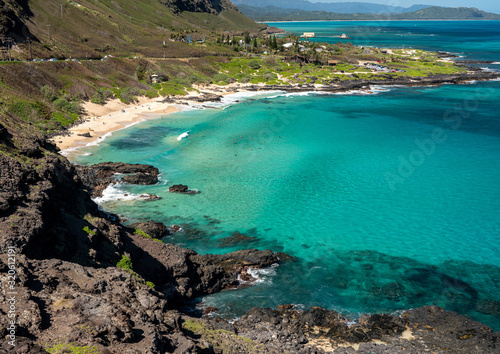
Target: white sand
(115,115)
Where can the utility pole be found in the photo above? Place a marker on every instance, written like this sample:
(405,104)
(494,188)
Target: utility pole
(62,16)
(48,28)
(9,46)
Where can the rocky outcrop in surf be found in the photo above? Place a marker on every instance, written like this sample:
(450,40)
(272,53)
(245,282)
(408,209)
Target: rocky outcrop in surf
(183,189)
(152,228)
(98,177)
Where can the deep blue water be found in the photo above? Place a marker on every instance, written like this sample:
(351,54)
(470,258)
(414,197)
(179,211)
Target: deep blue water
(387,201)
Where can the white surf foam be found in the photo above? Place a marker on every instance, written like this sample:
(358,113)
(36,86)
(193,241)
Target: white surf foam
(114,192)
(263,275)
(71,151)
(183,136)
(380,88)
(490,69)
(100,140)
(229,100)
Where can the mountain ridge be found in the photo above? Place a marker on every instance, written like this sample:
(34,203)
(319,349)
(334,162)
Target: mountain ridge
(272,13)
(338,7)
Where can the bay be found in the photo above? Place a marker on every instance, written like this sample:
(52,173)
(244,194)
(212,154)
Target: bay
(387,201)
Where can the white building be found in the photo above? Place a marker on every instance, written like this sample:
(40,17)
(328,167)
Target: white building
(308,35)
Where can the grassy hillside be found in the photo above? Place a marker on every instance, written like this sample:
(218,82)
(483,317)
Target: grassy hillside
(48,95)
(119,27)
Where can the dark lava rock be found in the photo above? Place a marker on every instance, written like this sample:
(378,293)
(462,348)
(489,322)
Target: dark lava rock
(208,97)
(107,168)
(181,188)
(174,228)
(85,135)
(210,309)
(140,178)
(236,239)
(153,229)
(23,345)
(149,197)
(178,188)
(98,177)
(259,315)
(426,329)
(320,317)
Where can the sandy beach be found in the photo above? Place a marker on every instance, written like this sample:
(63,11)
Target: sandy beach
(108,118)
(115,115)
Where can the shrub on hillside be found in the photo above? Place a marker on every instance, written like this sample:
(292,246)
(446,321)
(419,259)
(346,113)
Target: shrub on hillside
(49,92)
(270,61)
(254,64)
(101,96)
(67,106)
(220,78)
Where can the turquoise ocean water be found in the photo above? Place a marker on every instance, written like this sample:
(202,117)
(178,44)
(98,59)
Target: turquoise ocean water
(388,200)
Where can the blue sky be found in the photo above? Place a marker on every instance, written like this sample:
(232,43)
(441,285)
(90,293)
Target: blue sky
(486,5)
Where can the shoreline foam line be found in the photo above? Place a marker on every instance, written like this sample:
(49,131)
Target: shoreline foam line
(103,126)
(100,127)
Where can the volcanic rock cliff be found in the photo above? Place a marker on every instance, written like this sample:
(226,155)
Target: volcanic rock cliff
(208,6)
(66,252)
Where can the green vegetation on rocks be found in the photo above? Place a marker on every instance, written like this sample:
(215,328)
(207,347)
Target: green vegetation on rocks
(87,230)
(72,348)
(222,340)
(150,284)
(142,233)
(125,263)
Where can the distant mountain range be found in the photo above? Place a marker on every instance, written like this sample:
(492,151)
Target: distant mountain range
(338,7)
(273,13)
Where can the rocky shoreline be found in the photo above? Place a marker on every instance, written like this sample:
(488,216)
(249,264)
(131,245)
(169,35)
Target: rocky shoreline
(357,84)
(73,287)
(336,86)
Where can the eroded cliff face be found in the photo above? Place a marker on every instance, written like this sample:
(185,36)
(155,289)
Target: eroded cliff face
(207,6)
(12,15)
